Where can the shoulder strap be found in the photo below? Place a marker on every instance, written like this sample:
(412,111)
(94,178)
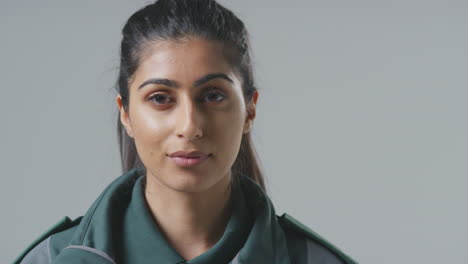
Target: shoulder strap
(60,226)
(288,221)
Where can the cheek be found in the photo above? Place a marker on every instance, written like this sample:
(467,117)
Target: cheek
(227,131)
(149,132)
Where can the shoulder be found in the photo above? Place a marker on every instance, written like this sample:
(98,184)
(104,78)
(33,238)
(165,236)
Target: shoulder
(306,246)
(48,245)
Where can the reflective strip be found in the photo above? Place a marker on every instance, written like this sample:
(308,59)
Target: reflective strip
(40,254)
(318,254)
(235,260)
(95,251)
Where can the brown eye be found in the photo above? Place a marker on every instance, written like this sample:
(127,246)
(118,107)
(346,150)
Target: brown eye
(215,96)
(159,98)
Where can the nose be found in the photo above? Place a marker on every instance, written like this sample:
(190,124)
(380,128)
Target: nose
(189,121)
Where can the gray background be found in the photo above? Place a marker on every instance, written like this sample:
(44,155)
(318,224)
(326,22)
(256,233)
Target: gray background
(361,128)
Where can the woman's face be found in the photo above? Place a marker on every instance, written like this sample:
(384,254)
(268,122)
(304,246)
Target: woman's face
(185,96)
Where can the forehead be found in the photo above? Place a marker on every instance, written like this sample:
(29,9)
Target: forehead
(186,59)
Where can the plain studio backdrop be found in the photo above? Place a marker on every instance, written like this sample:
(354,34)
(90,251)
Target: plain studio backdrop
(361,128)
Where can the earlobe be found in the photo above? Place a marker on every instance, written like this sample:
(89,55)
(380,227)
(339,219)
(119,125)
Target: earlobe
(249,120)
(124,118)
(247,126)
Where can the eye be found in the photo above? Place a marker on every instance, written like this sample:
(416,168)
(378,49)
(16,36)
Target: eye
(159,98)
(214,95)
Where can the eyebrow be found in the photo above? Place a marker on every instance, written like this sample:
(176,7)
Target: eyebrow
(174,84)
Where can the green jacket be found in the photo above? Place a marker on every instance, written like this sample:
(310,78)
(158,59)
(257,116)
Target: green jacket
(118,228)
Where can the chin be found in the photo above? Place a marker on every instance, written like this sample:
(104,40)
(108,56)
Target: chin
(190,188)
(194,180)
(188,182)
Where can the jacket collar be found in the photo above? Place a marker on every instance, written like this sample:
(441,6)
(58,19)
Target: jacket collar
(120,224)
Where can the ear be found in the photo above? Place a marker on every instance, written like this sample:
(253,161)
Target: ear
(124,117)
(251,113)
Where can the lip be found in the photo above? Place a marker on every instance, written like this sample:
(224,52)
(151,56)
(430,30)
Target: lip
(189,154)
(189,158)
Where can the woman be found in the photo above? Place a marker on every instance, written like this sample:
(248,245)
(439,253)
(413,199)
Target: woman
(191,191)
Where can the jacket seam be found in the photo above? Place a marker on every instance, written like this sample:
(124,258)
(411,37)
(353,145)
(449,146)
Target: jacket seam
(316,238)
(94,251)
(98,202)
(88,222)
(48,249)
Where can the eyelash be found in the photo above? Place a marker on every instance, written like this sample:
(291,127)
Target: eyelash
(210,91)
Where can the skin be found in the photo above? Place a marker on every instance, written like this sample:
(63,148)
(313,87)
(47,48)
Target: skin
(190,205)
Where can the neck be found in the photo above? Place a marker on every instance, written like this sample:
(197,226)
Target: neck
(191,222)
